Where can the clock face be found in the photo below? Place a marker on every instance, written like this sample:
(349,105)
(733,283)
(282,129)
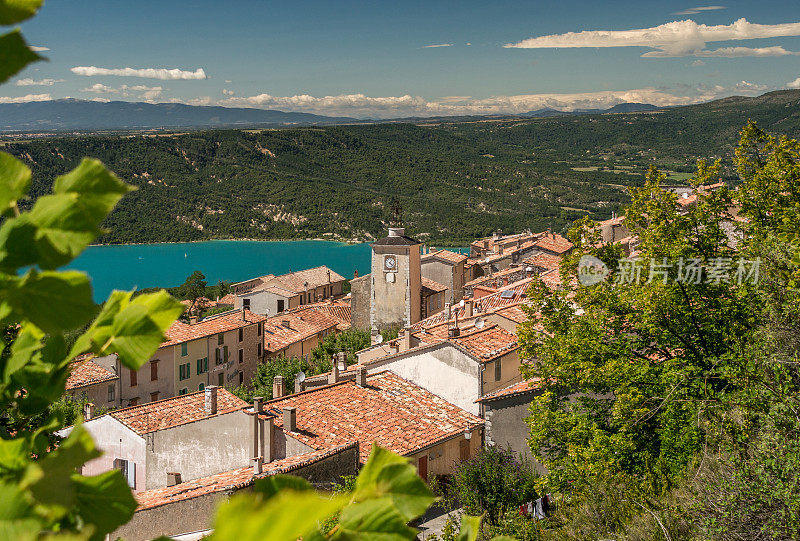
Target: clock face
(389,262)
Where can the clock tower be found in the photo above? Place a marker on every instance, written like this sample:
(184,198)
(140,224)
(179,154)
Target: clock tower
(396,281)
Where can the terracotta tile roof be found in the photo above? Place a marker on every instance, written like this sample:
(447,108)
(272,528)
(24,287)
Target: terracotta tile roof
(175,411)
(86,372)
(543,260)
(183,332)
(230,298)
(524,386)
(618,220)
(391,411)
(514,313)
(230,480)
(494,276)
(554,242)
(248,285)
(338,309)
(446,255)
(552,278)
(301,325)
(433,285)
(300,281)
(486,304)
(686,201)
(488,343)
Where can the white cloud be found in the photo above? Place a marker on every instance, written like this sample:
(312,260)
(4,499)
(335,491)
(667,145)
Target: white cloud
(44,82)
(695,11)
(794,84)
(362,106)
(148,73)
(437,45)
(730,52)
(142,92)
(677,38)
(26,98)
(698,63)
(227,92)
(38,49)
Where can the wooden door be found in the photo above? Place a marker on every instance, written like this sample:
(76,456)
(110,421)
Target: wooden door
(463,450)
(422,467)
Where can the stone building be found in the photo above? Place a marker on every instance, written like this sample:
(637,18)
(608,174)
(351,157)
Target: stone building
(447,268)
(271,295)
(505,411)
(94,380)
(391,295)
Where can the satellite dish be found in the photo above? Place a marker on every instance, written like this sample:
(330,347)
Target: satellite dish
(301,376)
(479,323)
(461,304)
(379,339)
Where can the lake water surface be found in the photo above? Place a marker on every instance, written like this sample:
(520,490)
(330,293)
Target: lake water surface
(166,265)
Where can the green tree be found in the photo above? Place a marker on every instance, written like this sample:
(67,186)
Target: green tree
(193,289)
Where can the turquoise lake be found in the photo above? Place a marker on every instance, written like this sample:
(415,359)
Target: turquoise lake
(139,266)
(167,265)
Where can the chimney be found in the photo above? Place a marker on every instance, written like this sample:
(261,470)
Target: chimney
(355,274)
(211,400)
(256,465)
(285,323)
(397,231)
(266,439)
(405,341)
(88,411)
(333,376)
(173,478)
(277,387)
(447,311)
(256,422)
(290,419)
(299,386)
(468,308)
(361,376)
(192,320)
(341,359)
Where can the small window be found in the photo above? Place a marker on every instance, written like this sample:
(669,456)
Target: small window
(134,401)
(201,387)
(259,350)
(221,379)
(153,370)
(498,367)
(184,349)
(280,305)
(128,470)
(220,339)
(154,396)
(111,393)
(184,371)
(241,378)
(241,334)
(246,304)
(202,365)
(260,328)
(241,356)
(133,378)
(183,391)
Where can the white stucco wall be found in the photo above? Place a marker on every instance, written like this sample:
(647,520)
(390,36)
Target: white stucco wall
(114,440)
(445,371)
(199,449)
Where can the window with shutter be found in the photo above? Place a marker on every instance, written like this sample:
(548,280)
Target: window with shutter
(241,356)
(154,370)
(133,378)
(241,335)
(498,367)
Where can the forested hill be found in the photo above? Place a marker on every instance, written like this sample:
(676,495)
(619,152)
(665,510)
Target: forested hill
(454,180)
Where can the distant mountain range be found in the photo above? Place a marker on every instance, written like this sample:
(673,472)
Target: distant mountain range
(619,108)
(72,114)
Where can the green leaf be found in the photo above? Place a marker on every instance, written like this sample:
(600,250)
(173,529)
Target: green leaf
(16,515)
(14,55)
(50,479)
(15,179)
(60,226)
(470,528)
(389,474)
(15,11)
(53,301)
(28,342)
(274,484)
(374,519)
(133,329)
(104,500)
(285,517)
(13,454)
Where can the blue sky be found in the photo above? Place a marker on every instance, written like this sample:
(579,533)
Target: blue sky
(373,60)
